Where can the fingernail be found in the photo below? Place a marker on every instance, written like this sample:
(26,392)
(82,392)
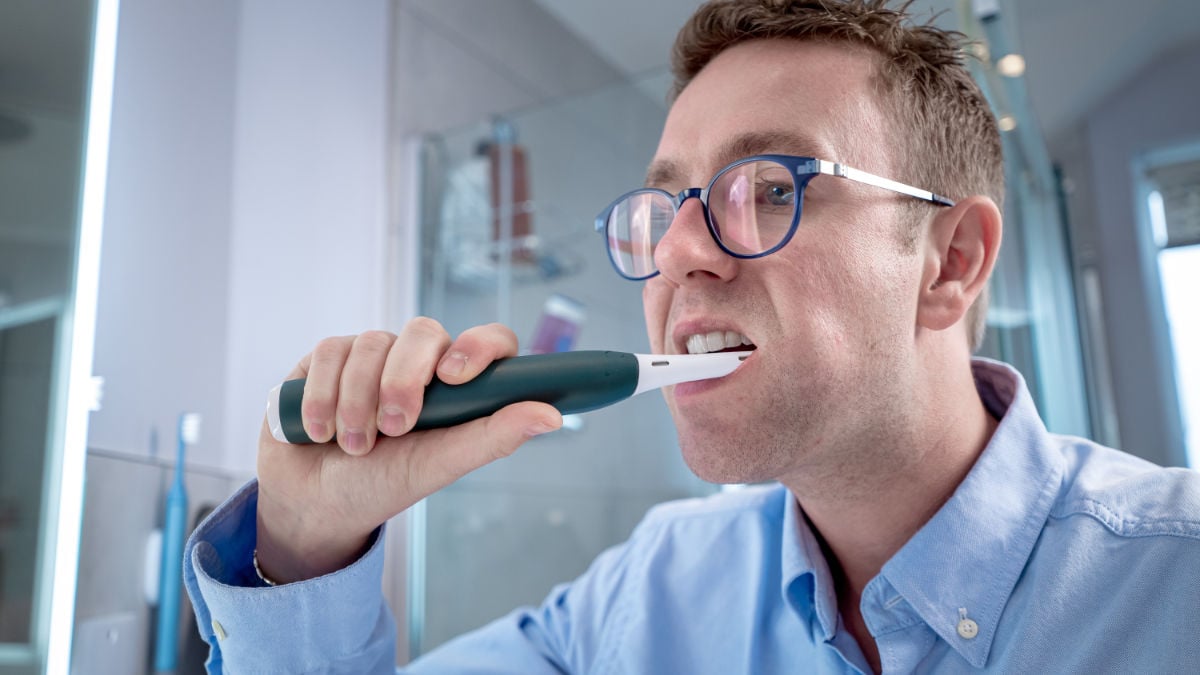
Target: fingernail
(354,441)
(538,428)
(392,421)
(453,363)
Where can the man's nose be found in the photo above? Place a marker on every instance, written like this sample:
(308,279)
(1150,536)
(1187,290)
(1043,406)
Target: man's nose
(688,252)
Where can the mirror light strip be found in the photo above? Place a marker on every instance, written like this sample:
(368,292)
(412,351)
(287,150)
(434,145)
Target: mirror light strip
(83,329)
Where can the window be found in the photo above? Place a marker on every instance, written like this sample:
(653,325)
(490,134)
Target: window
(1174,206)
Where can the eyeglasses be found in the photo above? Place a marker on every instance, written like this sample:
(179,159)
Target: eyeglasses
(752,208)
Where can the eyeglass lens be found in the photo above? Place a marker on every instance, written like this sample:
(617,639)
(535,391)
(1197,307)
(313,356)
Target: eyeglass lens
(751,207)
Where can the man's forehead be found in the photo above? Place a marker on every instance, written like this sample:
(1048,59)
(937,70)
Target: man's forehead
(771,96)
(700,164)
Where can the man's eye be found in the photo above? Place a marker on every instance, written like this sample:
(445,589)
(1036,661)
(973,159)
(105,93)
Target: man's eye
(778,194)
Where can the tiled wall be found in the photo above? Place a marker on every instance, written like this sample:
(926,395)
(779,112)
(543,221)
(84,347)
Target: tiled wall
(123,504)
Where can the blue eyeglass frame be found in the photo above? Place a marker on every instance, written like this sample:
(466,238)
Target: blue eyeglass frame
(803,170)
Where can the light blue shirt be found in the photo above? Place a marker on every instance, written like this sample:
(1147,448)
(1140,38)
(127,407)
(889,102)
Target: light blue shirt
(1054,555)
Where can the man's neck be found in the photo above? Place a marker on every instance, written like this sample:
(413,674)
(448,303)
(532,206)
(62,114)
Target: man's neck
(864,511)
(864,524)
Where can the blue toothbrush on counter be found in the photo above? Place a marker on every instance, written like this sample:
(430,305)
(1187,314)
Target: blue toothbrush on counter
(166,645)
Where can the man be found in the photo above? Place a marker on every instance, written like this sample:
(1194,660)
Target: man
(923,520)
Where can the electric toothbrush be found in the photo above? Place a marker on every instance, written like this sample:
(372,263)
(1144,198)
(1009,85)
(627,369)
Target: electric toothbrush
(166,650)
(573,382)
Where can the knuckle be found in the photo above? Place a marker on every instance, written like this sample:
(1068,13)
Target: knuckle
(374,341)
(353,412)
(498,445)
(501,331)
(397,391)
(315,407)
(427,327)
(495,338)
(328,349)
(500,450)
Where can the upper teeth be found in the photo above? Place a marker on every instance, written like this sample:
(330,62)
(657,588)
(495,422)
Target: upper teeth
(715,341)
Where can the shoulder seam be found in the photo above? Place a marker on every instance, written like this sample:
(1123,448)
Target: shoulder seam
(1129,527)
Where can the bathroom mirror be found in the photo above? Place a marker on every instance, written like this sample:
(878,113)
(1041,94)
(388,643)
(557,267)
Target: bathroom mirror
(53,125)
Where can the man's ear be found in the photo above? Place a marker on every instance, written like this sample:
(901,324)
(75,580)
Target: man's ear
(960,251)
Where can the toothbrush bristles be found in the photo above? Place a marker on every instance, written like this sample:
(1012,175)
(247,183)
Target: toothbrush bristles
(189,428)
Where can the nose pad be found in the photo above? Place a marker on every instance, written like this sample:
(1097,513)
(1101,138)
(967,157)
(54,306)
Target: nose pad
(692,209)
(688,245)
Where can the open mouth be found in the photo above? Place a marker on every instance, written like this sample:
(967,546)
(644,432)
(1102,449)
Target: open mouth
(719,341)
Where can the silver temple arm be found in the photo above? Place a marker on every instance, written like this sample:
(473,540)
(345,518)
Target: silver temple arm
(843,171)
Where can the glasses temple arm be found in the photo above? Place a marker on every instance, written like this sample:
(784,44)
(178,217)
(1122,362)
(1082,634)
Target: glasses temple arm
(843,171)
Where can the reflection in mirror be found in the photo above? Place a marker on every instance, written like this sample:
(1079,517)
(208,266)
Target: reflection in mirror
(26,370)
(45,62)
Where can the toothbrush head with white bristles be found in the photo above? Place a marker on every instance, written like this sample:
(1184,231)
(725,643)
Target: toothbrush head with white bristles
(189,433)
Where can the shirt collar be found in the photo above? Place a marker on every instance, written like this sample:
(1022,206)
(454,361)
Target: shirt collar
(970,554)
(806,579)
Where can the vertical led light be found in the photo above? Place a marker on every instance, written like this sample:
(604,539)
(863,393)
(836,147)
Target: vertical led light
(82,326)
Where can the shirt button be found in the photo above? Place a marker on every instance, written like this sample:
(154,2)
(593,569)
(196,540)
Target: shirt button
(218,629)
(967,629)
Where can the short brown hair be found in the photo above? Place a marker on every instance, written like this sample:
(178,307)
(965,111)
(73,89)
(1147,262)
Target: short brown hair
(949,140)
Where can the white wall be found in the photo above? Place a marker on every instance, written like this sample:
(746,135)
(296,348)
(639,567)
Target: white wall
(245,221)
(246,210)
(309,196)
(161,314)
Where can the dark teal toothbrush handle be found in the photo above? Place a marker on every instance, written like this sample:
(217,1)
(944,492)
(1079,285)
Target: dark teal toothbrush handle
(573,382)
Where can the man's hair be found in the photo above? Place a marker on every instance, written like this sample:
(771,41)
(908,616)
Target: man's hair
(946,135)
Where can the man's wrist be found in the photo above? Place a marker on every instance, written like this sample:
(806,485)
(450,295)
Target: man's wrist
(289,550)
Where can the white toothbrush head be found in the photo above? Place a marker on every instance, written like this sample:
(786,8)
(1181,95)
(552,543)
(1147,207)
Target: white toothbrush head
(189,428)
(660,370)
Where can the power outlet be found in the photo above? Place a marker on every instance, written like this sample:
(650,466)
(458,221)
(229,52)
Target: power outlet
(108,645)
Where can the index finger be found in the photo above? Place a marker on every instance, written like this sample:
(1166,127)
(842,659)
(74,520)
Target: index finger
(474,350)
(324,371)
(415,358)
(407,370)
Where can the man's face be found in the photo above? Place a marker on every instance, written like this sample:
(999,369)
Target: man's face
(831,314)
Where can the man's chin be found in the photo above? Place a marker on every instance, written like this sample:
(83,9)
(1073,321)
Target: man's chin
(724,466)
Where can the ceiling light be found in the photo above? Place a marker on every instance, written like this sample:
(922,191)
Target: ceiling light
(1007,123)
(1011,65)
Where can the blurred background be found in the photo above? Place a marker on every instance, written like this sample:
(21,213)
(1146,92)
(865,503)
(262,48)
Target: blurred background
(192,194)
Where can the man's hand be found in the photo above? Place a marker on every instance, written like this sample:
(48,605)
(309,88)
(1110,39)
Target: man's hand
(318,504)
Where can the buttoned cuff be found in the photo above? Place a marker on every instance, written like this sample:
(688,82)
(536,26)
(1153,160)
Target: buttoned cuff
(335,623)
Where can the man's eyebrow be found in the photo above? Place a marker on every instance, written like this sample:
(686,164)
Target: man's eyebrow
(667,172)
(662,172)
(767,142)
